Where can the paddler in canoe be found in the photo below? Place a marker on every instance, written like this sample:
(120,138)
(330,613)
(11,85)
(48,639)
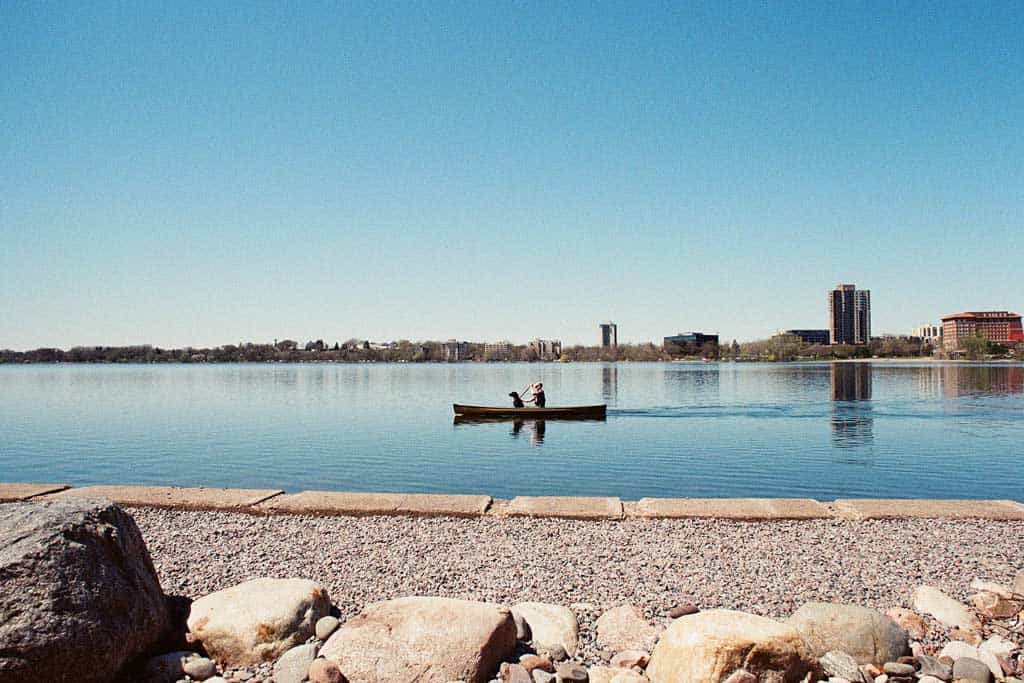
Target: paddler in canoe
(537,398)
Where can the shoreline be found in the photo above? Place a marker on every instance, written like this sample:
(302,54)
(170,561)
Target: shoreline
(277,502)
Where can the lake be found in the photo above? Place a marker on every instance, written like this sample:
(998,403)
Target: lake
(820,430)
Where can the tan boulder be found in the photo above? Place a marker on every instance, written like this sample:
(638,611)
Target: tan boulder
(710,646)
(944,609)
(258,620)
(550,625)
(614,674)
(423,639)
(867,635)
(624,628)
(910,621)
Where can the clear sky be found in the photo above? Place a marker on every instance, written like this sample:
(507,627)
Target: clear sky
(176,173)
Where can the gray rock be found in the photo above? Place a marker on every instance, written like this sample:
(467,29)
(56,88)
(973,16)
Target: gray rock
(293,666)
(216,679)
(325,626)
(556,653)
(838,663)
(166,668)
(540,676)
(571,673)
(549,625)
(898,669)
(523,633)
(513,673)
(972,670)
(867,635)
(200,668)
(80,593)
(931,666)
(931,679)
(1018,584)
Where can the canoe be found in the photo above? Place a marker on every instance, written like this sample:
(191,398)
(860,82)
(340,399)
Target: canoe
(552,413)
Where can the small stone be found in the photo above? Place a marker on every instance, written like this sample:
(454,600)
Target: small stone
(629,676)
(571,673)
(930,679)
(998,645)
(741,676)
(293,666)
(216,679)
(945,609)
(556,653)
(325,626)
(627,659)
(898,669)
(884,678)
(682,610)
(931,666)
(522,628)
(531,662)
(624,628)
(912,622)
(199,668)
(540,676)
(841,664)
(972,670)
(1018,584)
(325,671)
(995,606)
(513,673)
(871,670)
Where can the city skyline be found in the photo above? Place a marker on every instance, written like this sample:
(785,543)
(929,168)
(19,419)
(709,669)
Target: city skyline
(193,175)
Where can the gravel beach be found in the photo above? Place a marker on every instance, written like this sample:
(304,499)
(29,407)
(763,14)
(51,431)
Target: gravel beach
(768,568)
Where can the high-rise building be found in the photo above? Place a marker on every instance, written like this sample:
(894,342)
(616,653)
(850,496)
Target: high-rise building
(849,315)
(609,335)
(546,349)
(1000,327)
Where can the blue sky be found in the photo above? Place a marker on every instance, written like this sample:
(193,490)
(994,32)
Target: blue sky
(177,173)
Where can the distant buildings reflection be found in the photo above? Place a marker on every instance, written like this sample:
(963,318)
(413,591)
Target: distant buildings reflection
(968,380)
(610,384)
(850,391)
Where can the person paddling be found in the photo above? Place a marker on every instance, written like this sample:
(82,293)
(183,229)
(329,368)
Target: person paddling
(538,397)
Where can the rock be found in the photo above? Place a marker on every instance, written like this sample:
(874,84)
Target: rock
(972,637)
(531,662)
(556,653)
(884,678)
(838,663)
(971,670)
(932,601)
(603,674)
(898,669)
(522,628)
(513,673)
(998,645)
(429,639)
(624,628)
(910,621)
(165,668)
(549,625)
(682,610)
(293,666)
(258,620)
(216,679)
(325,626)
(324,671)
(629,676)
(957,650)
(932,679)
(80,593)
(570,672)
(1018,584)
(992,587)
(995,606)
(741,676)
(627,659)
(708,646)
(199,668)
(543,676)
(931,666)
(865,634)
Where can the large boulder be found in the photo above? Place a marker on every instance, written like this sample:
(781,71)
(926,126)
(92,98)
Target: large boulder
(942,608)
(624,628)
(870,637)
(80,597)
(550,625)
(258,620)
(423,639)
(709,646)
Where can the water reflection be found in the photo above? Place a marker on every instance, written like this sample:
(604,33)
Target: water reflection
(974,380)
(850,391)
(610,384)
(535,428)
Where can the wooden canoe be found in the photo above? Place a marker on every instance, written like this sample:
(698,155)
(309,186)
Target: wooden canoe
(547,413)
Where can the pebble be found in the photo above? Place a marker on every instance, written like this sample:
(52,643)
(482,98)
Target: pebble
(199,668)
(571,673)
(540,676)
(682,610)
(325,626)
(972,670)
(556,653)
(530,662)
(931,666)
(514,673)
(293,665)
(324,671)
(898,669)
(627,659)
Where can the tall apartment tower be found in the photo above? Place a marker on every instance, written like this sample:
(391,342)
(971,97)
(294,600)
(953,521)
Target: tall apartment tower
(849,315)
(609,335)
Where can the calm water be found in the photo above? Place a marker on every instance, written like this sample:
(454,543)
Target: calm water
(818,430)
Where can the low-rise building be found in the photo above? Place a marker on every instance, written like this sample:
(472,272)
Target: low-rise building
(999,327)
(547,349)
(927,333)
(500,350)
(810,336)
(689,343)
(455,350)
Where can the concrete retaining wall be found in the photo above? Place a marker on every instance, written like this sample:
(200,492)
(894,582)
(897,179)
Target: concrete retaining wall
(273,501)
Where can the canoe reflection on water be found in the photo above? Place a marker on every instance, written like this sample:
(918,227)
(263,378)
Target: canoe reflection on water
(535,428)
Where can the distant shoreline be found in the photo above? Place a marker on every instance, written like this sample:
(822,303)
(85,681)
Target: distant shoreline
(806,361)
